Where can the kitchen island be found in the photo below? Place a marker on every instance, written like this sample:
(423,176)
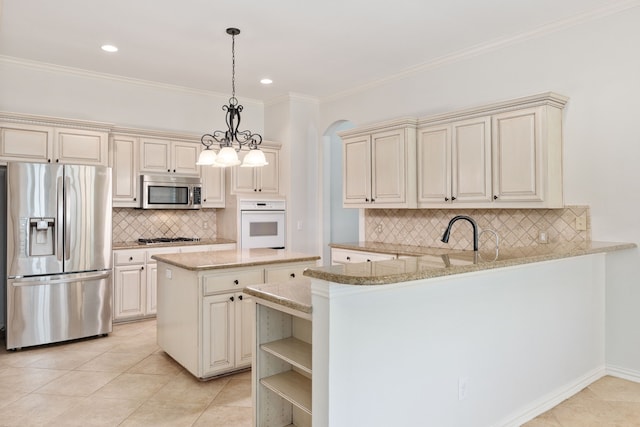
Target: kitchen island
(459,339)
(205,321)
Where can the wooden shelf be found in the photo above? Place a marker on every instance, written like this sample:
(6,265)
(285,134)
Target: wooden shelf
(291,350)
(291,386)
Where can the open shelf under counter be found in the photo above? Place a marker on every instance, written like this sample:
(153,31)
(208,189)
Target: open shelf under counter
(291,350)
(292,386)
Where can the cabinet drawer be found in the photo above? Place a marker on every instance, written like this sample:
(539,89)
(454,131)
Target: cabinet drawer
(344,256)
(284,273)
(129,257)
(232,281)
(158,251)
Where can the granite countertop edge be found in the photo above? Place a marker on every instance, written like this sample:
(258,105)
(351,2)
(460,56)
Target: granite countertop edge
(215,260)
(282,293)
(136,245)
(562,251)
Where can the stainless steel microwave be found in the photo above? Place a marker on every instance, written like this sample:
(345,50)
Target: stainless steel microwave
(170,192)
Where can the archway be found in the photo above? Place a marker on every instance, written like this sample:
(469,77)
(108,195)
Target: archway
(339,225)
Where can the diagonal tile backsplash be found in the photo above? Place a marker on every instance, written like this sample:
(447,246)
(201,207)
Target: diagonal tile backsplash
(131,224)
(516,227)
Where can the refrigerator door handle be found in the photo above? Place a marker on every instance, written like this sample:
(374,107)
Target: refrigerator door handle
(58,225)
(35,281)
(67,220)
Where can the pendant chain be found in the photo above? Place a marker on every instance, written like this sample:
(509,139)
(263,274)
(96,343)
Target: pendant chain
(233,66)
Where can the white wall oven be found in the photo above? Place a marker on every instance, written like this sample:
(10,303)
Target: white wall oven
(262,224)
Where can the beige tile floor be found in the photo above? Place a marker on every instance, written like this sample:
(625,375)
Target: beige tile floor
(126,380)
(120,380)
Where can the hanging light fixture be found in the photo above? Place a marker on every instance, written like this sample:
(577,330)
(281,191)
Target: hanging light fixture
(231,140)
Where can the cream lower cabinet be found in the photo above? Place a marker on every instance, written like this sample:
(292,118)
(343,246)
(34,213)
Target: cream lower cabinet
(52,144)
(226,342)
(379,167)
(348,256)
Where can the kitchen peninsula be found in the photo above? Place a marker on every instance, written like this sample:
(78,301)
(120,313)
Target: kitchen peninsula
(204,320)
(456,338)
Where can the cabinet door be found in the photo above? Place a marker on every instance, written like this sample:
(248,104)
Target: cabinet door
(388,170)
(154,155)
(517,156)
(125,171)
(184,156)
(356,164)
(434,164)
(151,300)
(218,333)
(269,175)
(129,292)
(26,143)
(213,195)
(472,160)
(245,314)
(81,147)
(243,180)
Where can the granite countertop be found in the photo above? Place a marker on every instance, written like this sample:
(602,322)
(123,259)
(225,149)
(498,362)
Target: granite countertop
(136,245)
(294,294)
(427,262)
(211,260)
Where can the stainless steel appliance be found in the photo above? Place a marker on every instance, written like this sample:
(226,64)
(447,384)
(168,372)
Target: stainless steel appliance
(170,192)
(59,284)
(262,224)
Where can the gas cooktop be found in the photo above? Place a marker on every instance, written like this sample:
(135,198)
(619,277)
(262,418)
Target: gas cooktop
(167,240)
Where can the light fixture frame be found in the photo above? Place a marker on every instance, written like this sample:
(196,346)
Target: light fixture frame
(231,137)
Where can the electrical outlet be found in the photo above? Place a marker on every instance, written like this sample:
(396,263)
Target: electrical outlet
(167,273)
(379,228)
(581,223)
(205,225)
(463,386)
(543,237)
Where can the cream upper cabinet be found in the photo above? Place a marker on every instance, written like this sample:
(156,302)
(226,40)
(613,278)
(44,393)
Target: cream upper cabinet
(48,144)
(471,161)
(527,157)
(163,156)
(265,179)
(509,157)
(213,195)
(124,164)
(379,166)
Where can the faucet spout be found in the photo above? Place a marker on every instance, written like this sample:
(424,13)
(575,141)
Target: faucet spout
(447,232)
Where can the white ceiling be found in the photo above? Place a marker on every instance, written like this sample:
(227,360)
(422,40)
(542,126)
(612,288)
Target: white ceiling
(316,48)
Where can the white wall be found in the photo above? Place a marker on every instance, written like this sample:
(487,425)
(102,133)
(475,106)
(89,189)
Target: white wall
(596,64)
(32,89)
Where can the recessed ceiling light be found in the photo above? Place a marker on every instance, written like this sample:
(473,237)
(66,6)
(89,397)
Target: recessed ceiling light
(266,81)
(109,48)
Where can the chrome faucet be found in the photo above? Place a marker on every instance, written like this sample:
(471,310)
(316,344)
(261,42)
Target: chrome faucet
(447,232)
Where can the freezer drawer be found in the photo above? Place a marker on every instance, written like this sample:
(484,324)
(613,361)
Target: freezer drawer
(48,309)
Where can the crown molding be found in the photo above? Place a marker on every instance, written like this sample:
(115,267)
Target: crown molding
(32,119)
(611,9)
(43,66)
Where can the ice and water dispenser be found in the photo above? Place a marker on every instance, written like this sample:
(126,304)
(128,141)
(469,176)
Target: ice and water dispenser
(41,236)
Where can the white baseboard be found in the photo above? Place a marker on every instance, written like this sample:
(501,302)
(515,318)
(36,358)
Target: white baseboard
(626,374)
(553,398)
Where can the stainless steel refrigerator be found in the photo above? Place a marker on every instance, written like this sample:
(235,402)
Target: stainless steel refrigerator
(58,253)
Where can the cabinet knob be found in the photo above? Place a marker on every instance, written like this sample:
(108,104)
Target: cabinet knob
(255,189)
(373,200)
(135,199)
(231,299)
(368,260)
(240,297)
(446,199)
(260,189)
(452,198)
(142,268)
(495,197)
(168,170)
(130,258)
(293,275)
(348,258)
(366,199)
(48,160)
(204,200)
(236,281)
(57,160)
